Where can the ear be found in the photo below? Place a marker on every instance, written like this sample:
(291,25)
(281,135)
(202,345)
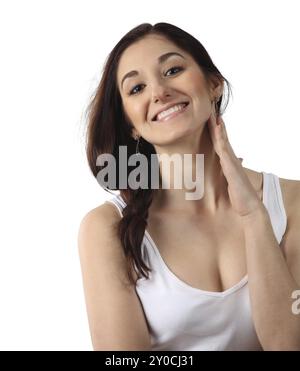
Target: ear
(220,89)
(216,87)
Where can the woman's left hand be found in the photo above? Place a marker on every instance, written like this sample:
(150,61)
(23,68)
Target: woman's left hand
(243,197)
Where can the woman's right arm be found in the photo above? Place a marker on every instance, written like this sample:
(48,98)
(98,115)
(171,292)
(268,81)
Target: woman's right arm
(115,314)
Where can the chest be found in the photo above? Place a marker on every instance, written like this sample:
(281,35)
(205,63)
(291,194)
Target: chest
(204,253)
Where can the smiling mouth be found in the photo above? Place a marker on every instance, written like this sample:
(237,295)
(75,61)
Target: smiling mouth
(173,114)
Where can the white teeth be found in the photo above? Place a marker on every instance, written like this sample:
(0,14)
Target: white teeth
(176,108)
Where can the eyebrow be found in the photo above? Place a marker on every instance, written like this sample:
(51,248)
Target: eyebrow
(160,59)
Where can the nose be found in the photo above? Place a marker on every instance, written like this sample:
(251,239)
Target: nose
(160,92)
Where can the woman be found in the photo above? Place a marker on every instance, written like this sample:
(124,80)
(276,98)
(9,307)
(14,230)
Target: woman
(207,273)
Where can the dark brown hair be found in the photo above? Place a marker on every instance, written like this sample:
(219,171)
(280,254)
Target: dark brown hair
(108,128)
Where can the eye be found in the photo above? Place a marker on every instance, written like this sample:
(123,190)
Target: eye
(174,68)
(132,91)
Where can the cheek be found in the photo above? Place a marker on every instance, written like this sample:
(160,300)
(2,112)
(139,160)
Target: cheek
(137,113)
(131,108)
(198,88)
(201,102)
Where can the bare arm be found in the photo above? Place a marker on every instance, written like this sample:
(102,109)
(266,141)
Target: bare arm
(272,279)
(115,314)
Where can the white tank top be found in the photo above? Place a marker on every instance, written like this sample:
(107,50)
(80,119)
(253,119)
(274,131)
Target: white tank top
(183,318)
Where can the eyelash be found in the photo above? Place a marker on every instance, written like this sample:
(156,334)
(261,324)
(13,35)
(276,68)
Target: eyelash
(176,67)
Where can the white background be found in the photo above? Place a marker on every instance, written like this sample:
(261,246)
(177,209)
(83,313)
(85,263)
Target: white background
(52,54)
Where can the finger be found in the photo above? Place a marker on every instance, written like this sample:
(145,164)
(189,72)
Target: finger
(214,114)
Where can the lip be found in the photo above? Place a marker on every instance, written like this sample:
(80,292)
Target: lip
(167,107)
(172,115)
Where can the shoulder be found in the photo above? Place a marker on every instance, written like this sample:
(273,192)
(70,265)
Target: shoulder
(97,232)
(291,196)
(291,240)
(105,211)
(104,215)
(290,189)
(98,239)
(290,243)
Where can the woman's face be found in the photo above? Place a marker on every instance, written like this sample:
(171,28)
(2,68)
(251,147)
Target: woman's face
(160,83)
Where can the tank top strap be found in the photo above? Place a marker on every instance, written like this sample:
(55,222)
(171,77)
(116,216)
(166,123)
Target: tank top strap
(118,201)
(273,201)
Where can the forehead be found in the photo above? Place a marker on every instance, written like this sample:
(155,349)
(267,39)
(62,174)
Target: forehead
(145,51)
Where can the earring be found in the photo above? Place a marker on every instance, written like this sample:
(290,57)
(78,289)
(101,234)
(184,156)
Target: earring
(137,138)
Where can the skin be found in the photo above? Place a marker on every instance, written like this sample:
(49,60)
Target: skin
(232,195)
(173,136)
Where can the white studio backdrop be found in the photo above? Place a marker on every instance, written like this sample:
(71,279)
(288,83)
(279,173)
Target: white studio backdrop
(52,54)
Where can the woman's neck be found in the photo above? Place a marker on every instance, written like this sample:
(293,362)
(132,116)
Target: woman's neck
(214,196)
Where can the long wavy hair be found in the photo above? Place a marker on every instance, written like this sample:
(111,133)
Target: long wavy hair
(108,128)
